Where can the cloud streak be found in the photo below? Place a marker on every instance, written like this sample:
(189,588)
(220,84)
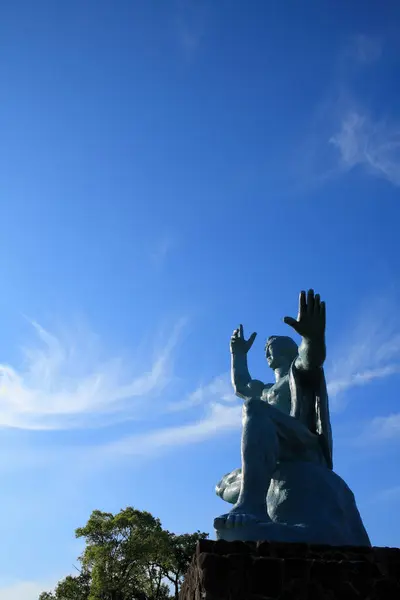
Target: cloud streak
(344,133)
(369,352)
(357,379)
(63,384)
(382,429)
(372,145)
(219,418)
(219,389)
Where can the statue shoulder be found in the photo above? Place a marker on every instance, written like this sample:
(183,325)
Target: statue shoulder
(306,376)
(267,387)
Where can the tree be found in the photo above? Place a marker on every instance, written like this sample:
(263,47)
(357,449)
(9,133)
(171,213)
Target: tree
(119,552)
(128,556)
(70,588)
(176,556)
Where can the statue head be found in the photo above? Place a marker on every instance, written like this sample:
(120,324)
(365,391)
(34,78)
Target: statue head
(280,351)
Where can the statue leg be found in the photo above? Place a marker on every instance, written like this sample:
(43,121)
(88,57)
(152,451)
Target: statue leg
(260,448)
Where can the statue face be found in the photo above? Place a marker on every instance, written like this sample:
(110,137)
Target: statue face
(273,355)
(280,351)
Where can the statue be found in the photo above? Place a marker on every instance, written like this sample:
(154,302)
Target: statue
(286,489)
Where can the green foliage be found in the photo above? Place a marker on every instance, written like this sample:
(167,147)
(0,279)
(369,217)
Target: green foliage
(127,556)
(176,552)
(70,588)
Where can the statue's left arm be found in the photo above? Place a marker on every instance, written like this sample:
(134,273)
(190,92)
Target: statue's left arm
(310,324)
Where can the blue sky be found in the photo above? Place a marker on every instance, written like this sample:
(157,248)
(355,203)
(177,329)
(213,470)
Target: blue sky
(170,169)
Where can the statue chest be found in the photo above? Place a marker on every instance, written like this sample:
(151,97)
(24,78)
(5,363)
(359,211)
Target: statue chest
(278,395)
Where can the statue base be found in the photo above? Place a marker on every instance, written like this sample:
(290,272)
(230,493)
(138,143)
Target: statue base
(222,570)
(274,532)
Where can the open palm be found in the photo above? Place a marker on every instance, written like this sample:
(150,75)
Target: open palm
(311,320)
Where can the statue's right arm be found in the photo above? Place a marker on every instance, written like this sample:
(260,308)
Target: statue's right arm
(240,374)
(239,370)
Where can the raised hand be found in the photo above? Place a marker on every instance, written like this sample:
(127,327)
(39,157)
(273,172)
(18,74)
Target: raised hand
(311,320)
(239,344)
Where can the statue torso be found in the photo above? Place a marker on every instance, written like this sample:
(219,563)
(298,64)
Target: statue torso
(278,395)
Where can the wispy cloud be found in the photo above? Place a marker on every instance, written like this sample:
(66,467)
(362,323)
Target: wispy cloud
(382,429)
(357,379)
(219,389)
(219,417)
(345,133)
(64,383)
(370,351)
(371,144)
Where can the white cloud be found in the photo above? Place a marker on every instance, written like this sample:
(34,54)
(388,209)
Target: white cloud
(219,417)
(370,351)
(24,590)
(344,133)
(221,412)
(373,145)
(357,379)
(382,429)
(64,383)
(220,388)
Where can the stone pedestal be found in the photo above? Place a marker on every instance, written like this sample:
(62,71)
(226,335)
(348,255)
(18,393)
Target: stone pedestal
(223,570)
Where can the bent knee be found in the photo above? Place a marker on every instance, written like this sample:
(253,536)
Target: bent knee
(255,406)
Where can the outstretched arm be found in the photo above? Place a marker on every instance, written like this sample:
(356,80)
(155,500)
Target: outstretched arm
(239,370)
(310,324)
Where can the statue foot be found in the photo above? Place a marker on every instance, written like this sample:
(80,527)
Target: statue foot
(241,516)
